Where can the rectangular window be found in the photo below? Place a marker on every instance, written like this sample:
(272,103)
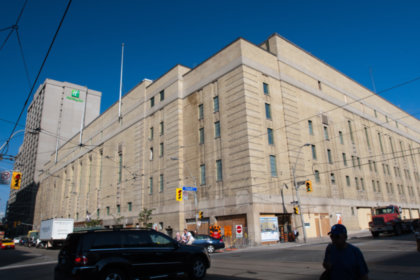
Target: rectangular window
(353,161)
(151,154)
(326,133)
(273,166)
(107,210)
(151,185)
(266,89)
(329,156)
(202,174)
(162,95)
(392,146)
(344,159)
(161,149)
(351,132)
(270,136)
(313,151)
(391,188)
(161,183)
(358,163)
(373,186)
(317,178)
(161,128)
(367,137)
(362,183)
(201,132)
(216,104)
(332,176)
(120,167)
(151,133)
(340,134)
(376,113)
(267,111)
(152,102)
(98,213)
(216,129)
(374,166)
(380,142)
(384,169)
(130,206)
(387,187)
(200,111)
(118,209)
(219,171)
(311,130)
(348,181)
(378,186)
(356,180)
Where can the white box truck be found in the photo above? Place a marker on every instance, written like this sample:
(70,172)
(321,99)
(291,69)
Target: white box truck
(53,232)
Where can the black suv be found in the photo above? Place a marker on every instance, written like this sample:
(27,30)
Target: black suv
(128,254)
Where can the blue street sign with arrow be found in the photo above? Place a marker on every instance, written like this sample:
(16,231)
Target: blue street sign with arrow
(191,189)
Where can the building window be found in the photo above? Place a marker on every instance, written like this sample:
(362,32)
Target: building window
(329,156)
(161,128)
(216,104)
(362,183)
(151,133)
(374,166)
(267,111)
(376,113)
(162,95)
(313,151)
(216,129)
(373,186)
(151,185)
(273,166)
(118,209)
(120,167)
(384,169)
(98,213)
(392,146)
(311,130)
(151,154)
(319,85)
(107,210)
(219,174)
(317,178)
(130,207)
(161,149)
(380,142)
(201,135)
(348,181)
(270,136)
(378,186)
(161,184)
(326,137)
(77,216)
(332,176)
(367,137)
(202,174)
(266,89)
(200,112)
(152,102)
(351,132)
(340,134)
(344,159)
(358,163)
(356,180)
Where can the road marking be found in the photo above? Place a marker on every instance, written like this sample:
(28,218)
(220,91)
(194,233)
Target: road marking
(26,265)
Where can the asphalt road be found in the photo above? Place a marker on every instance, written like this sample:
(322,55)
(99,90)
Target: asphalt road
(390,257)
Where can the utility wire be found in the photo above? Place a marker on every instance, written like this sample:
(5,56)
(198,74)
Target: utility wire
(13,27)
(23,58)
(39,72)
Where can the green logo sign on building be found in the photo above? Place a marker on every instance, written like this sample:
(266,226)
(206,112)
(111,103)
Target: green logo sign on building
(75,93)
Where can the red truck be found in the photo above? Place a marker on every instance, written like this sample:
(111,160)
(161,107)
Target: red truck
(388,219)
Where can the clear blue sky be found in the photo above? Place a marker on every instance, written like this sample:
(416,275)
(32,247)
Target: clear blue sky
(351,36)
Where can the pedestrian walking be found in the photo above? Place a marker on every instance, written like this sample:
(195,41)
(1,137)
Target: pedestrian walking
(188,237)
(342,260)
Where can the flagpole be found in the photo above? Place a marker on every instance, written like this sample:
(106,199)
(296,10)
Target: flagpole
(121,75)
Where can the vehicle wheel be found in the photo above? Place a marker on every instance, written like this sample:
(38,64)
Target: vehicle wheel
(375,234)
(198,269)
(210,249)
(397,230)
(113,274)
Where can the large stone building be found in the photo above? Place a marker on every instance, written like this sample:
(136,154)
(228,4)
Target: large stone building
(239,126)
(57,112)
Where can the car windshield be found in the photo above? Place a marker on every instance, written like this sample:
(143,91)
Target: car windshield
(387,210)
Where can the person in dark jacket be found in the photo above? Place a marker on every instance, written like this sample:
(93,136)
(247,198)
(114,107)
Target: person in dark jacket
(342,260)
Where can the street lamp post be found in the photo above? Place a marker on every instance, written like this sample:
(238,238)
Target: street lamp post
(195,193)
(297,191)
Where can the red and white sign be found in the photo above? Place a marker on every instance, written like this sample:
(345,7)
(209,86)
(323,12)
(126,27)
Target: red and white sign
(239,231)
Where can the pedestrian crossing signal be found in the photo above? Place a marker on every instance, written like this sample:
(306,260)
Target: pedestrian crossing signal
(178,194)
(16,180)
(200,214)
(308,185)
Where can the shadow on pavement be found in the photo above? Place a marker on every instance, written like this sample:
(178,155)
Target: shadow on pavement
(9,257)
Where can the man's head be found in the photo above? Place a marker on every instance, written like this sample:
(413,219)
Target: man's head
(338,235)
(185,230)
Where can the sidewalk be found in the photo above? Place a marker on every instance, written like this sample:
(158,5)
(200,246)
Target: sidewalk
(311,241)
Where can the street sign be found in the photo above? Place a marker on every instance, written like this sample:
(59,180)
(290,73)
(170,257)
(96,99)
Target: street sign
(191,189)
(239,231)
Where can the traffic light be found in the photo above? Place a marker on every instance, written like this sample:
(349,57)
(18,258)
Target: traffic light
(308,185)
(296,210)
(178,194)
(16,179)
(200,214)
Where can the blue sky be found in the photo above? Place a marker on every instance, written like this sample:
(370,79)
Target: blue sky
(351,36)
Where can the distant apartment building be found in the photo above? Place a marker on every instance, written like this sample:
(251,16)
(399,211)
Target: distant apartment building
(241,127)
(58,111)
